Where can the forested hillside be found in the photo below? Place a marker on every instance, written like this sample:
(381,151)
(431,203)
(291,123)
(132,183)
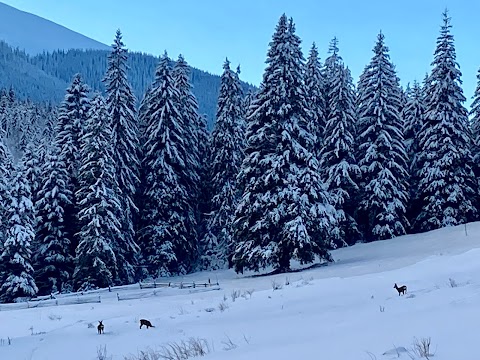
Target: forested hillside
(44,77)
(92,64)
(27,80)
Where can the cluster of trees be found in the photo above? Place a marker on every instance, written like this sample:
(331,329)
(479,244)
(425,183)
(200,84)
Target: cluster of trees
(92,64)
(114,192)
(44,77)
(27,79)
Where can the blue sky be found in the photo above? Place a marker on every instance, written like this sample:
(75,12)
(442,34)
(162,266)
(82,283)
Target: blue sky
(207,31)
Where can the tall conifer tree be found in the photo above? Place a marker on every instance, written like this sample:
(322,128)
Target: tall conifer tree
(72,117)
(120,103)
(285,212)
(338,161)
(382,155)
(414,115)
(53,261)
(165,229)
(18,280)
(226,155)
(315,87)
(447,185)
(194,141)
(99,207)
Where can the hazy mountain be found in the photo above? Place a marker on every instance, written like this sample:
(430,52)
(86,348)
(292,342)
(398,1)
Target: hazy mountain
(35,34)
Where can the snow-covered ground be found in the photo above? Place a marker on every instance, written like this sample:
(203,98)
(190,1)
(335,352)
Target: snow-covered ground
(344,311)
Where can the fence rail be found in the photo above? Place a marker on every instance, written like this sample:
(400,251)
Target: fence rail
(92,296)
(180,285)
(148,292)
(51,302)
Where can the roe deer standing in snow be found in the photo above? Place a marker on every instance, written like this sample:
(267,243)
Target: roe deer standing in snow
(146,323)
(401,290)
(100,327)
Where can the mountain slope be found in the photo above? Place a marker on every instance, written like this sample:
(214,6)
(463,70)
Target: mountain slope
(36,35)
(92,64)
(26,79)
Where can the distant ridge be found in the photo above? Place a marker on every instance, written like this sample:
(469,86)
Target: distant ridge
(34,34)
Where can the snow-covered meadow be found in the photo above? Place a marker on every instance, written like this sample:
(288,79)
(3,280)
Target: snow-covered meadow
(345,311)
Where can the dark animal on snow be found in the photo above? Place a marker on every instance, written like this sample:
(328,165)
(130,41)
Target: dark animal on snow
(100,327)
(146,323)
(401,290)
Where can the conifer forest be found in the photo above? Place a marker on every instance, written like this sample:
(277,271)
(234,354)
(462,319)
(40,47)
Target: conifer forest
(125,179)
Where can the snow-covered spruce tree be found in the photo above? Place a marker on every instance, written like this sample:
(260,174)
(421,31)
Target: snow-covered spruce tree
(99,205)
(475,128)
(338,155)
(248,101)
(53,261)
(49,131)
(226,156)
(120,103)
(447,186)
(165,229)
(361,107)
(382,156)
(332,62)
(6,166)
(285,211)
(203,149)
(72,116)
(18,278)
(194,140)
(315,86)
(4,106)
(413,114)
(142,116)
(32,158)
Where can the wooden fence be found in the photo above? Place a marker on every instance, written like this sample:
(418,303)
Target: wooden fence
(180,285)
(41,302)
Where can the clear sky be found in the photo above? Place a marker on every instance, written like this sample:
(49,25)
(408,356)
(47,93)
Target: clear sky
(207,31)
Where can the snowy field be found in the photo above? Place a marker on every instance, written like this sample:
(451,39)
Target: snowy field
(345,311)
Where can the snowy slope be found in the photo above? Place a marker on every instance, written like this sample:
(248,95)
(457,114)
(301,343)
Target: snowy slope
(347,310)
(35,34)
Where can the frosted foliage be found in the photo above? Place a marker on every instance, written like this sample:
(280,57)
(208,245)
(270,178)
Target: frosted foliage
(447,187)
(285,211)
(18,278)
(333,63)
(314,86)
(167,218)
(226,155)
(475,128)
(71,121)
(53,260)
(382,155)
(414,115)
(194,137)
(120,104)
(99,205)
(338,161)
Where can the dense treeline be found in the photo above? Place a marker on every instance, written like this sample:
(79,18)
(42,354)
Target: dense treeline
(92,64)
(44,77)
(109,189)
